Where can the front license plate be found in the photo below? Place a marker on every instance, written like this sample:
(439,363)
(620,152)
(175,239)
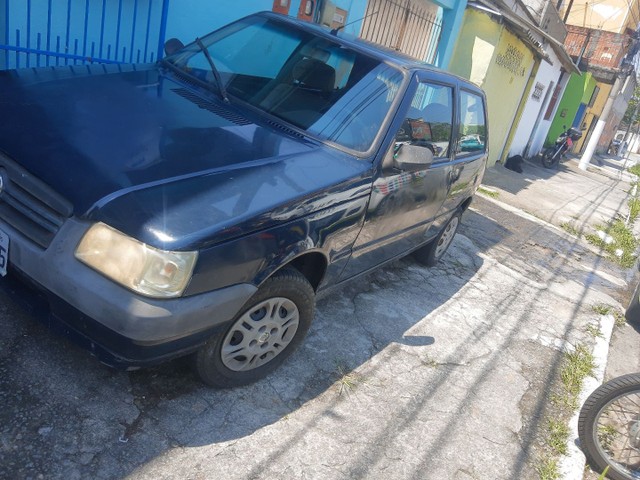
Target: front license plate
(4,253)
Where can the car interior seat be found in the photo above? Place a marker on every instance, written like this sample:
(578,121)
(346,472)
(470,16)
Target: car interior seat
(302,100)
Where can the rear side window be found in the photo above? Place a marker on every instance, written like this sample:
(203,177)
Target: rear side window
(472,136)
(429,119)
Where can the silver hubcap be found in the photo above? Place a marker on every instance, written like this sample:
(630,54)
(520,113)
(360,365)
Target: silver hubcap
(447,236)
(260,334)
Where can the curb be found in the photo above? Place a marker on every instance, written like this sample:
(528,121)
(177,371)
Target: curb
(572,465)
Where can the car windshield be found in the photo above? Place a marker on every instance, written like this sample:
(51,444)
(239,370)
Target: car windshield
(316,84)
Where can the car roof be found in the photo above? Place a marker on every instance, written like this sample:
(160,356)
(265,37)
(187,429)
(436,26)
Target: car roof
(371,49)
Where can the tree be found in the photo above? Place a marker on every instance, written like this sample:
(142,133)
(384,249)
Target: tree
(632,115)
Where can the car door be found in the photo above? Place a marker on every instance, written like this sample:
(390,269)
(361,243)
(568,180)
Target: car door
(405,201)
(470,153)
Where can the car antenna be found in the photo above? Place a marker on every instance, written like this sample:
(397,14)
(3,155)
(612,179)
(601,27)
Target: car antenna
(337,29)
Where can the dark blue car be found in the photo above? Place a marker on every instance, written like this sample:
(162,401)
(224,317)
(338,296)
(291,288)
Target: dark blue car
(198,205)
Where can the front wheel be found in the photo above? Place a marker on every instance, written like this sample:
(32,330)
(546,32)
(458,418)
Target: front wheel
(609,428)
(267,330)
(550,157)
(431,254)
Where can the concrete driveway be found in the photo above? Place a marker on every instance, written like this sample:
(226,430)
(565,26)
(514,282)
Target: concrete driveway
(442,373)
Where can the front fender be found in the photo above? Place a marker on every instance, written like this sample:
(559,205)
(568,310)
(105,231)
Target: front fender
(254,257)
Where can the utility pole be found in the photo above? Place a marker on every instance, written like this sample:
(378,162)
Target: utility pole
(631,121)
(566,13)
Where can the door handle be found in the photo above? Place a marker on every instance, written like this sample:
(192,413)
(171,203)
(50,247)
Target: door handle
(454,174)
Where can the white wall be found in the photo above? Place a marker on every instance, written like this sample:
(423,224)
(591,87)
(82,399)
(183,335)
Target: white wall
(547,73)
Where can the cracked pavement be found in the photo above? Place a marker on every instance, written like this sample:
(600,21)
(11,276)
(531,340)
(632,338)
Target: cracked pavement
(408,372)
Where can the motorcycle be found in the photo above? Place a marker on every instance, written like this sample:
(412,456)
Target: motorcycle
(551,155)
(615,147)
(609,421)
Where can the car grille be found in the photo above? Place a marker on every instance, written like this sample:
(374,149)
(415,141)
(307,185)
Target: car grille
(29,205)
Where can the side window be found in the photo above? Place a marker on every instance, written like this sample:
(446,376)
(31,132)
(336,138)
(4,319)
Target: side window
(473,130)
(429,119)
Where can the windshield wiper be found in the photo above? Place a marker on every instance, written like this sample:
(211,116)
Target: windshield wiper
(214,70)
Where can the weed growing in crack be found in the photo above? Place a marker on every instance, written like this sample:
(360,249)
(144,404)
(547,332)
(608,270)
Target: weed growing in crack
(347,380)
(601,308)
(558,436)
(570,229)
(635,169)
(488,193)
(578,365)
(634,209)
(594,330)
(429,362)
(622,249)
(620,319)
(548,469)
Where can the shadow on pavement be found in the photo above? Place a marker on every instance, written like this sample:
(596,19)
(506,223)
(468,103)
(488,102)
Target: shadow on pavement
(65,416)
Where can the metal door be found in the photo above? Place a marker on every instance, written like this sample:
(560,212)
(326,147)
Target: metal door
(37,33)
(409,26)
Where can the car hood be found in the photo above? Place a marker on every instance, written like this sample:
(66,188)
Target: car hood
(141,150)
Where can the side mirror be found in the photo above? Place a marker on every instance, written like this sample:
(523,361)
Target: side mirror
(172,45)
(411,158)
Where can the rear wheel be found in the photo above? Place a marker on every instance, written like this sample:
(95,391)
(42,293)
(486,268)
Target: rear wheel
(266,331)
(431,254)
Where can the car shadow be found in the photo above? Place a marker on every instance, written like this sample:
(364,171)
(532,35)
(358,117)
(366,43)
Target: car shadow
(350,327)
(128,418)
(513,182)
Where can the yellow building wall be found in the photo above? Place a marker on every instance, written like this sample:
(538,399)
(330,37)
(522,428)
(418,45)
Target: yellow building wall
(475,46)
(496,60)
(593,113)
(612,15)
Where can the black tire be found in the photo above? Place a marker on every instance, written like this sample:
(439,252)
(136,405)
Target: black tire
(610,421)
(430,254)
(271,325)
(548,159)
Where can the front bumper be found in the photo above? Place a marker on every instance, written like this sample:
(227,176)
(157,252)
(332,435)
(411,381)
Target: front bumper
(119,326)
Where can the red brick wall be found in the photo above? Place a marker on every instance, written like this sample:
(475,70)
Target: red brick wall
(603,49)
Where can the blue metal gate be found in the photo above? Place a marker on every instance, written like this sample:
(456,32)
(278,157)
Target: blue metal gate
(38,33)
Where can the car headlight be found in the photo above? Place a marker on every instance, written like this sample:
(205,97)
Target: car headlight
(135,265)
